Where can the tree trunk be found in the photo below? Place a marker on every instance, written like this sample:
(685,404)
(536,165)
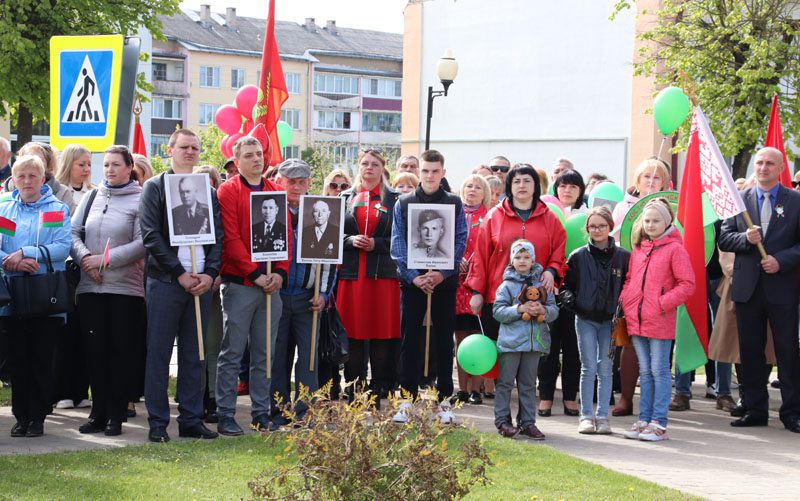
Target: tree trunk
(24,125)
(741,161)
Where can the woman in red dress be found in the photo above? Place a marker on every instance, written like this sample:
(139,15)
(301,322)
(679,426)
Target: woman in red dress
(369,290)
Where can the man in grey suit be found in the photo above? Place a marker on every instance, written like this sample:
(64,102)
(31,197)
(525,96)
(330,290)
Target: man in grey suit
(767,289)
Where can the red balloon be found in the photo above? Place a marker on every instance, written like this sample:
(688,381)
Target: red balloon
(260,132)
(494,372)
(245,100)
(247,127)
(223,144)
(228,119)
(232,142)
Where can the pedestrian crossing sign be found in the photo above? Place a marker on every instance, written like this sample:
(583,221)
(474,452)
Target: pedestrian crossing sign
(84,90)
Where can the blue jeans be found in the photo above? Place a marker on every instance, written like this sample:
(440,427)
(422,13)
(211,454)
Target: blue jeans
(654,378)
(722,386)
(594,340)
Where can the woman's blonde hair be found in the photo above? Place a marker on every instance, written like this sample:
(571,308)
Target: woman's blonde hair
(330,177)
(143,163)
(375,153)
(487,192)
(71,153)
(638,234)
(212,172)
(407,178)
(27,162)
(46,153)
(651,164)
(544,179)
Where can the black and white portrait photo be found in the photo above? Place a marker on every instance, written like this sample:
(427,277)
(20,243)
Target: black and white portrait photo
(268,226)
(321,229)
(188,198)
(431,236)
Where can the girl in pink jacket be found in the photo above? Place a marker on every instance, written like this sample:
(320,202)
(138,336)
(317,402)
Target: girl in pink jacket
(659,280)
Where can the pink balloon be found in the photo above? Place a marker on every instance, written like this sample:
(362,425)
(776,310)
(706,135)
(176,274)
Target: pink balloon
(232,142)
(228,119)
(553,200)
(260,132)
(248,127)
(245,100)
(223,144)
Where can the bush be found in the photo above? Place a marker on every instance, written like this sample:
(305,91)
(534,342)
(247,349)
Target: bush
(356,452)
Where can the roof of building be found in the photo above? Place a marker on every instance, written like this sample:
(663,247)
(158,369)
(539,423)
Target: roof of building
(246,36)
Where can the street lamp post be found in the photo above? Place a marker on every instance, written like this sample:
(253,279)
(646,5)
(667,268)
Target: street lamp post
(446,70)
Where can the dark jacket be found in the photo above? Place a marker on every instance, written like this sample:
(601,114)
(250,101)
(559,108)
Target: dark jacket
(379,263)
(782,242)
(595,277)
(162,259)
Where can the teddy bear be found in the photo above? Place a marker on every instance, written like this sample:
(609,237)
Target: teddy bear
(530,293)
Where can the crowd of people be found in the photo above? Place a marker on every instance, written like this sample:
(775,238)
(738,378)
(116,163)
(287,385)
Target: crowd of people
(549,313)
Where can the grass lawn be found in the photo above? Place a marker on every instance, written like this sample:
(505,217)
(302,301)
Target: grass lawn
(220,469)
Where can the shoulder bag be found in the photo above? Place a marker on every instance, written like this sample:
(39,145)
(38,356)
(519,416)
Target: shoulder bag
(36,296)
(334,345)
(619,329)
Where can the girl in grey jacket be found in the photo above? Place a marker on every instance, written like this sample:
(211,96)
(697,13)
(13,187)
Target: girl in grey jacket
(521,342)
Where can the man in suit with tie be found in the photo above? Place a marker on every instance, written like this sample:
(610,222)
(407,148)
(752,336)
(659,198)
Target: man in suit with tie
(191,217)
(767,289)
(269,235)
(322,239)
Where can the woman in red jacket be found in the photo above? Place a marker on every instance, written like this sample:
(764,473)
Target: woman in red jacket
(659,279)
(520,215)
(476,196)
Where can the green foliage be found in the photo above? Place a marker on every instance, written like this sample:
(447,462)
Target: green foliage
(321,164)
(142,85)
(158,163)
(732,57)
(356,452)
(210,137)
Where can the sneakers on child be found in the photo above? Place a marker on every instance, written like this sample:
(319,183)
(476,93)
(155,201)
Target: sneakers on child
(84,404)
(635,430)
(403,413)
(65,404)
(654,432)
(586,426)
(445,414)
(603,427)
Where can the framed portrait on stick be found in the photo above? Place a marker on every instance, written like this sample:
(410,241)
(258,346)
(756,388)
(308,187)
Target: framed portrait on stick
(268,223)
(320,230)
(189,215)
(431,236)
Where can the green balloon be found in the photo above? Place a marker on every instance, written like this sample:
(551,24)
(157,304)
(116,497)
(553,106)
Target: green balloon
(576,232)
(606,193)
(558,212)
(284,134)
(670,109)
(476,354)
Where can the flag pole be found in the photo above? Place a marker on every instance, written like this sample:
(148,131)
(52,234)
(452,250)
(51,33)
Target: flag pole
(198,319)
(314,320)
(760,245)
(269,325)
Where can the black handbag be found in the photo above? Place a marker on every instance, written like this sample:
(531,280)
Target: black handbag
(333,343)
(5,295)
(37,296)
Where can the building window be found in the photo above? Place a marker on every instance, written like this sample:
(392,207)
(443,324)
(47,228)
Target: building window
(292,82)
(237,78)
(209,76)
(292,117)
(158,144)
(335,84)
(380,122)
(159,71)
(167,108)
(382,87)
(333,120)
(207,112)
(291,152)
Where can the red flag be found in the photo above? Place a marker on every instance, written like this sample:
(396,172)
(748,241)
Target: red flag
(138,139)
(272,92)
(775,139)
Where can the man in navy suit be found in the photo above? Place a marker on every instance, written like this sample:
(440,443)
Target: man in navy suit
(767,289)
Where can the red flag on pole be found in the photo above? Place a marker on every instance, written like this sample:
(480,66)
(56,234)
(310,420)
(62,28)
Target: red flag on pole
(138,139)
(775,139)
(272,92)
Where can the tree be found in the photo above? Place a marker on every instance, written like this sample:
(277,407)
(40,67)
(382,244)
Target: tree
(732,55)
(210,153)
(26,27)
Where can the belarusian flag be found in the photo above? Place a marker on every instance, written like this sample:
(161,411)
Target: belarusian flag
(8,227)
(106,256)
(362,199)
(775,139)
(53,219)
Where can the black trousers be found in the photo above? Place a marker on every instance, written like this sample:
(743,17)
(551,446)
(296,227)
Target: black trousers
(72,374)
(381,362)
(112,326)
(31,349)
(751,319)
(563,357)
(413,306)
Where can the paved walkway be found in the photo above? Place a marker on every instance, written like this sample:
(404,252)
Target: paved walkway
(705,456)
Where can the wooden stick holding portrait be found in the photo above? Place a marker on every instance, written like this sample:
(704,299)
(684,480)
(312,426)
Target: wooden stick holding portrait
(428,332)
(314,318)
(198,319)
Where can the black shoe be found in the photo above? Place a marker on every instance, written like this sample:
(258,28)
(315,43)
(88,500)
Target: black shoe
(19,430)
(545,412)
(197,431)
(229,427)
(776,383)
(738,411)
(158,434)
(261,424)
(131,413)
(488,395)
(92,426)
(113,428)
(571,412)
(475,398)
(461,396)
(211,416)
(792,424)
(750,420)
(35,429)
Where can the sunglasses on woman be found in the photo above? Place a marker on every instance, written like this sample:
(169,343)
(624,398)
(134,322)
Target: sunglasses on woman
(499,168)
(338,186)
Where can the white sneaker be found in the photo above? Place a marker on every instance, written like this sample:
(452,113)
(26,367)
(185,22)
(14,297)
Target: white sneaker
(84,404)
(603,427)
(635,430)
(654,432)
(586,426)
(65,404)
(403,413)
(445,414)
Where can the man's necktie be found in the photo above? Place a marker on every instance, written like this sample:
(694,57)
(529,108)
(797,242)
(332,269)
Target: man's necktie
(766,213)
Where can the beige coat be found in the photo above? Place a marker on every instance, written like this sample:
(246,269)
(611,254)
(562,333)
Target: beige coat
(724,344)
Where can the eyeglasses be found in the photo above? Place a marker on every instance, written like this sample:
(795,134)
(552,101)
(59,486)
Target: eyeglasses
(338,186)
(377,151)
(601,227)
(499,168)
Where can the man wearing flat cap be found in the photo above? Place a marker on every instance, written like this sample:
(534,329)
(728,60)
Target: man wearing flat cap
(298,304)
